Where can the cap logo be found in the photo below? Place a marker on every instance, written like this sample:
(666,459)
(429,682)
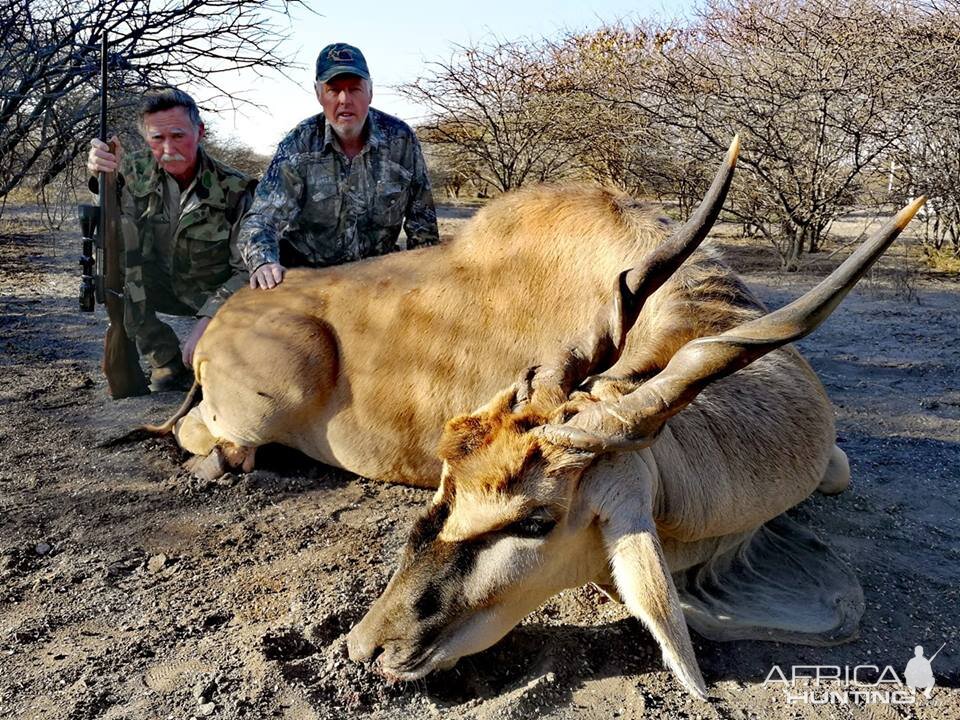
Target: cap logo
(340,55)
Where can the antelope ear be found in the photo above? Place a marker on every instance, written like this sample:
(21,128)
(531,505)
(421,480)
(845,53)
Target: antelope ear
(463,435)
(620,491)
(466,434)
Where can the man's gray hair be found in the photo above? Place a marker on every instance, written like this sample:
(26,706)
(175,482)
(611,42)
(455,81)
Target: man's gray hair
(168,98)
(367,82)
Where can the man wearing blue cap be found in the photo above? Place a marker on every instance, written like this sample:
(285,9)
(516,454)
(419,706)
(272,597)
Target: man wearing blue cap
(341,184)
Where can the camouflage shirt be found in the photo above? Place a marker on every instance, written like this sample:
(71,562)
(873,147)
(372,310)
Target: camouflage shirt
(196,241)
(332,209)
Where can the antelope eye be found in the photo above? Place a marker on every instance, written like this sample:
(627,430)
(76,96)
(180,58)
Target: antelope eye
(533,526)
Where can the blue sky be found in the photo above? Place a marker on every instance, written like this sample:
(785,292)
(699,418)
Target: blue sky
(398,38)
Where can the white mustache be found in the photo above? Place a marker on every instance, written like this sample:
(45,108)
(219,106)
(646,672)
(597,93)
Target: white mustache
(176,157)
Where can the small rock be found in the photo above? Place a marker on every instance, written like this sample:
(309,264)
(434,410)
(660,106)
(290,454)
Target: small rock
(207,709)
(156,563)
(43,548)
(203,691)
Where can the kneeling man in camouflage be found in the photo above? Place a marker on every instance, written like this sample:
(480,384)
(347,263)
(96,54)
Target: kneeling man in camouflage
(180,213)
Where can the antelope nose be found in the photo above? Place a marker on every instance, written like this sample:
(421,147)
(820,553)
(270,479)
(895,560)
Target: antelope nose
(362,647)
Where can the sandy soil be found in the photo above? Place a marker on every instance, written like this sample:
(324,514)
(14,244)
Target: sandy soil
(130,590)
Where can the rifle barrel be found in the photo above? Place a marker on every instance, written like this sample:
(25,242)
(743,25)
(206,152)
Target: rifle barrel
(103,87)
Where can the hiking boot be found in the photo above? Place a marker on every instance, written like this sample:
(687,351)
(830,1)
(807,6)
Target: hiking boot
(171,377)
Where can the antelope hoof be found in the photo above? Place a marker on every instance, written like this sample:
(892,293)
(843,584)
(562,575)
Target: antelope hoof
(239,456)
(836,478)
(207,467)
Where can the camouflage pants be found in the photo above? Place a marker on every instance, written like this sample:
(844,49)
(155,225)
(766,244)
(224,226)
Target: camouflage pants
(156,340)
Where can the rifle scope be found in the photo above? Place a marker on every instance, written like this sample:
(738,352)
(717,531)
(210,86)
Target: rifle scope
(89,295)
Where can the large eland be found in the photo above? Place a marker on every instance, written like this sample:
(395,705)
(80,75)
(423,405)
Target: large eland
(649,423)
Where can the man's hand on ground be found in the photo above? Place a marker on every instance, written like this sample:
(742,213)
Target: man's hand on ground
(267,276)
(100,159)
(191,344)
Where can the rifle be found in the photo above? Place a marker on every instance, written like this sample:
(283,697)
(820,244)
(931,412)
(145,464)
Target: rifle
(121,362)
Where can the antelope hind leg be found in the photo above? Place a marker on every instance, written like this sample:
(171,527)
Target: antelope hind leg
(192,433)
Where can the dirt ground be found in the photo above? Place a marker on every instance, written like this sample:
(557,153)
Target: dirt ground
(130,590)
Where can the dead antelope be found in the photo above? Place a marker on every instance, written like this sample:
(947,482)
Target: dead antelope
(661,479)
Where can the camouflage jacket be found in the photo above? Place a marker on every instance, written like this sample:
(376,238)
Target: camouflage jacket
(333,210)
(206,267)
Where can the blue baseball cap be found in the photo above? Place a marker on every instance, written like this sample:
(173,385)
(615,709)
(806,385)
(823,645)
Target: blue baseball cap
(341,59)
